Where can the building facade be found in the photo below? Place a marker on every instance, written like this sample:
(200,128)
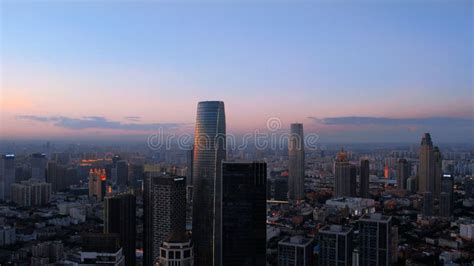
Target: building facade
(119,218)
(243,240)
(295,251)
(296,162)
(335,245)
(209,152)
(364,178)
(164,212)
(375,240)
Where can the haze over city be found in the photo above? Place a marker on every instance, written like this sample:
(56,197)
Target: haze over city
(351,71)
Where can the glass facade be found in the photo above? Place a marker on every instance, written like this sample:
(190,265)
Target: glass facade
(209,152)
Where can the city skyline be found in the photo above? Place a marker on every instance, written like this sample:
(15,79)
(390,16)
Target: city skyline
(375,72)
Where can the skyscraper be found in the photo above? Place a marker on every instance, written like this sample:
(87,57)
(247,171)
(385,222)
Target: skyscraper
(445,205)
(189,166)
(209,152)
(426,180)
(243,240)
(7,175)
(342,176)
(336,245)
(446,198)
(164,202)
(122,173)
(119,218)
(97,179)
(427,209)
(296,162)
(57,176)
(353,181)
(438,172)
(38,166)
(375,240)
(403,173)
(364,178)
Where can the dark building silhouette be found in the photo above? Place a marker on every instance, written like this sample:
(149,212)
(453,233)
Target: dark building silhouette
(344,176)
(164,200)
(38,166)
(209,152)
(446,198)
(280,188)
(364,178)
(122,173)
(7,175)
(427,209)
(119,218)
(243,213)
(403,173)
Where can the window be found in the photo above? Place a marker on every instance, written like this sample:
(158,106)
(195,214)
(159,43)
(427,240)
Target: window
(187,253)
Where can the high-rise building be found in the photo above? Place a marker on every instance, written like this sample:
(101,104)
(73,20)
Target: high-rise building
(426,176)
(122,173)
(280,188)
(38,166)
(295,250)
(438,172)
(445,205)
(364,178)
(375,240)
(353,181)
(427,209)
(189,166)
(7,175)
(335,245)
(119,218)
(164,212)
(412,184)
(57,175)
(243,240)
(97,184)
(296,162)
(209,152)
(137,173)
(32,192)
(342,176)
(403,173)
(469,187)
(446,198)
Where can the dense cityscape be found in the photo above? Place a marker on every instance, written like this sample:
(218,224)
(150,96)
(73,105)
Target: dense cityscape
(334,204)
(236,133)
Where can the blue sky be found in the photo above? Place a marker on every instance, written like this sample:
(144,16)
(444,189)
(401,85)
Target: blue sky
(293,60)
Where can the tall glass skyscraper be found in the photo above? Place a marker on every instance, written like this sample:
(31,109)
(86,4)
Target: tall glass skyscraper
(243,240)
(209,152)
(119,218)
(296,163)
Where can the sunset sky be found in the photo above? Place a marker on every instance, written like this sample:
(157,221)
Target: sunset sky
(382,71)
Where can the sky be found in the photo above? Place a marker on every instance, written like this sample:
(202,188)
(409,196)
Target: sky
(361,71)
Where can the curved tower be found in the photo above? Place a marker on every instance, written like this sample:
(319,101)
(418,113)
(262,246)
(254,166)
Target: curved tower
(209,152)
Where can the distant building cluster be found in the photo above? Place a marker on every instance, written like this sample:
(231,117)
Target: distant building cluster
(127,204)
